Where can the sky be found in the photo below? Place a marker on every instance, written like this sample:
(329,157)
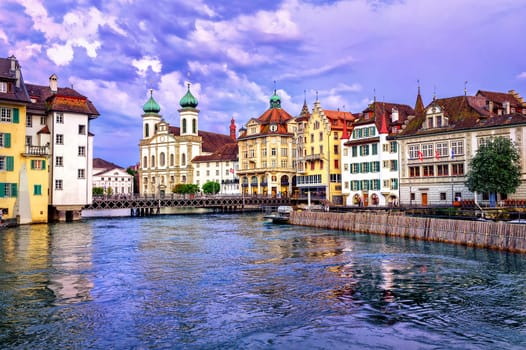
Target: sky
(235,53)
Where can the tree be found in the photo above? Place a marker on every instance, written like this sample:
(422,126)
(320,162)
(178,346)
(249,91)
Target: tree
(495,168)
(98,191)
(211,187)
(186,188)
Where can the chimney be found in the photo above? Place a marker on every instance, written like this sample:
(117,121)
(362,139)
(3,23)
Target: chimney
(12,58)
(53,83)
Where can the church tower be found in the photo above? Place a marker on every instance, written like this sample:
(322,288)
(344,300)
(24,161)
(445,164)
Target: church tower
(151,117)
(188,114)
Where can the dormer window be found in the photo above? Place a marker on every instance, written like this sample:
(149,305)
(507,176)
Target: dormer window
(3,87)
(273,127)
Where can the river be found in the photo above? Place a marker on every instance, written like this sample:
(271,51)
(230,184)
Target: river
(232,281)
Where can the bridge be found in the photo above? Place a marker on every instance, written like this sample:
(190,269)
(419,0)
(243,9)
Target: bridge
(143,206)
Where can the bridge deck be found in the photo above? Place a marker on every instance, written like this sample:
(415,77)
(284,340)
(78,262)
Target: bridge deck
(196,202)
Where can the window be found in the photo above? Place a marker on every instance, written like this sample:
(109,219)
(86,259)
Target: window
(414,171)
(5,114)
(413,151)
(441,149)
(38,164)
(58,185)
(364,150)
(283,152)
(5,140)
(442,196)
(59,161)
(457,169)
(82,129)
(3,86)
(393,165)
(37,190)
(374,149)
(171,159)
(283,163)
(162,159)
(354,151)
(7,163)
(457,148)
(153,161)
(59,139)
(336,164)
(335,136)
(273,151)
(29,140)
(429,122)
(29,121)
(8,190)
(428,170)
(427,150)
(321,136)
(393,145)
(184,126)
(60,118)
(442,170)
(82,151)
(81,173)
(42,120)
(145,162)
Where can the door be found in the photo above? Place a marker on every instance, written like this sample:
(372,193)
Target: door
(424,199)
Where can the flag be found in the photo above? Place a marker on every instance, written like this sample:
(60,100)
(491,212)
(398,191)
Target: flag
(437,154)
(452,153)
(420,156)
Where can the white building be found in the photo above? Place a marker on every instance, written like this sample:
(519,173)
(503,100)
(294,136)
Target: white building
(61,117)
(112,178)
(370,156)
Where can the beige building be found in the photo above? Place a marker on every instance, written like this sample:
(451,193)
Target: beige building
(267,153)
(166,151)
(437,145)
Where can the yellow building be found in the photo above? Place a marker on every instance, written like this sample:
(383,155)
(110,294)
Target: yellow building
(319,153)
(23,169)
(267,153)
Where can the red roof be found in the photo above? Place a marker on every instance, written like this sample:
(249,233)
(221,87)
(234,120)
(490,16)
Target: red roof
(211,141)
(64,100)
(228,152)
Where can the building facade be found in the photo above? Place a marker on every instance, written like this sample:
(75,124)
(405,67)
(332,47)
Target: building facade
(166,152)
(60,119)
(267,153)
(319,155)
(113,179)
(437,146)
(370,174)
(23,166)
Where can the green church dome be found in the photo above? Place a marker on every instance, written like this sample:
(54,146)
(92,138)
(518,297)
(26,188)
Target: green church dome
(151,106)
(188,100)
(275,101)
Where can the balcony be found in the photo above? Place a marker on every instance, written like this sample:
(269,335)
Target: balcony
(39,151)
(318,156)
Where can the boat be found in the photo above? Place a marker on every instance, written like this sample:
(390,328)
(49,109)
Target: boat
(281,216)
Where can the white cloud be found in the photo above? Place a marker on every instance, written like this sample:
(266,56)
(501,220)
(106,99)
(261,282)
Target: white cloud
(60,54)
(24,50)
(142,65)
(3,36)
(521,75)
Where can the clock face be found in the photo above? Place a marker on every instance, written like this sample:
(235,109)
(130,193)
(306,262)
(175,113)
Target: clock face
(273,127)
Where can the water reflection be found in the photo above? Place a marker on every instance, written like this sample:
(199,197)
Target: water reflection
(232,282)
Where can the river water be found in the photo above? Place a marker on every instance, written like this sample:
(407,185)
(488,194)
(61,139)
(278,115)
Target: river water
(226,281)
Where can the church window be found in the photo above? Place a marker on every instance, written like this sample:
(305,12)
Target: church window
(153,161)
(162,159)
(194,126)
(145,162)
(183,159)
(184,126)
(147,130)
(172,159)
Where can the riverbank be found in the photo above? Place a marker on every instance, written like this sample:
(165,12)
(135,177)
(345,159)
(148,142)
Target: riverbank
(482,234)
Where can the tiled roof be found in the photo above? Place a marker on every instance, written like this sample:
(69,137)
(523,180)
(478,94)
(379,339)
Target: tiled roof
(277,116)
(16,94)
(499,97)
(228,152)
(99,163)
(211,141)
(64,100)
(376,111)
(337,117)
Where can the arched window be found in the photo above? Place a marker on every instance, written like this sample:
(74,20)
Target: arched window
(144,162)
(162,159)
(183,179)
(183,159)
(194,126)
(153,161)
(172,159)
(184,126)
(146,130)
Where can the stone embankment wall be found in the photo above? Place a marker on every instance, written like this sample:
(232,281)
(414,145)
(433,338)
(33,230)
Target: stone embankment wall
(482,234)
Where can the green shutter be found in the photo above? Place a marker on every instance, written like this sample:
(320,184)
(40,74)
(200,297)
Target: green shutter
(37,190)
(32,164)
(395,164)
(16,115)
(13,190)
(395,146)
(10,163)
(2,189)
(7,140)
(43,165)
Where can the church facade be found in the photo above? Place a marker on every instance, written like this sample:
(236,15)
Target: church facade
(166,152)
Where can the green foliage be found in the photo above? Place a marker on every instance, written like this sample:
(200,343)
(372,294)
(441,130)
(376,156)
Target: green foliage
(495,168)
(186,189)
(109,191)
(211,187)
(98,191)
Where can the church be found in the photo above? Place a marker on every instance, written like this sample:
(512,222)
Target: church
(167,152)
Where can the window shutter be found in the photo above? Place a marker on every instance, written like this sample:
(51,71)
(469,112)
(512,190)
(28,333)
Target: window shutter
(43,165)
(10,163)
(32,164)
(14,190)
(2,189)
(16,115)
(7,140)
